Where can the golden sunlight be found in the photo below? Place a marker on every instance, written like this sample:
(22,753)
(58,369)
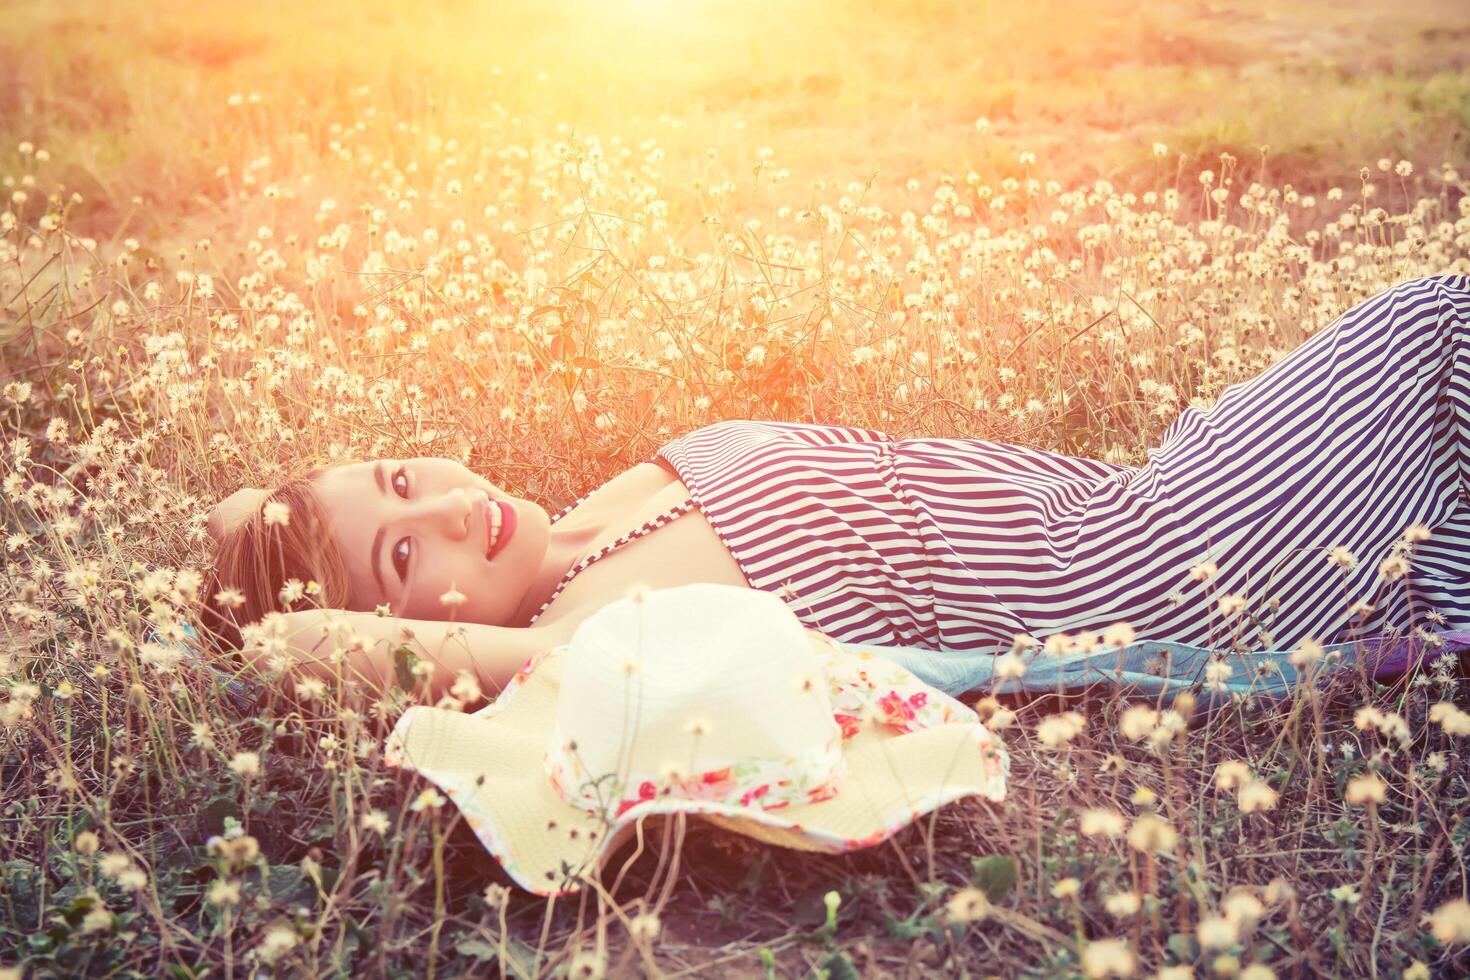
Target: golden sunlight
(611,488)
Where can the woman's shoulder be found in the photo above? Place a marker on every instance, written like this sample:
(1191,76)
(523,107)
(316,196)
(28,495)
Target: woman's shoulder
(620,495)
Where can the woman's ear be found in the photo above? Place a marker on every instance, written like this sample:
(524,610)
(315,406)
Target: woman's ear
(227,515)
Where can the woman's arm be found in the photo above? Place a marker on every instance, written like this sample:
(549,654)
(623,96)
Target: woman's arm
(337,644)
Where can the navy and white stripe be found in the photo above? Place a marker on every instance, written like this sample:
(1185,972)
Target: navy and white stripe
(958,544)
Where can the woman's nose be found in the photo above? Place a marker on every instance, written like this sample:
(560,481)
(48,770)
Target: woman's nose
(448,513)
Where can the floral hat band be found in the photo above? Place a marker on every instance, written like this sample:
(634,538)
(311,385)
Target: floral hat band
(704,699)
(769,783)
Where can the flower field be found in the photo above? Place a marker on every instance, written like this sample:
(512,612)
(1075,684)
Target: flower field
(545,239)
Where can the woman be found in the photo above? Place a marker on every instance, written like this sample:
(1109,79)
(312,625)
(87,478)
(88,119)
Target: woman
(954,545)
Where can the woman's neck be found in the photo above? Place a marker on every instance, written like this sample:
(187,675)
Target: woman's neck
(567,544)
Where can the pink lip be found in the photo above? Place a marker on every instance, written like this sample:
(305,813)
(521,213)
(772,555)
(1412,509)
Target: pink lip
(507,527)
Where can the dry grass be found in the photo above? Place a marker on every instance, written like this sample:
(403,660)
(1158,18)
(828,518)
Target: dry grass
(364,259)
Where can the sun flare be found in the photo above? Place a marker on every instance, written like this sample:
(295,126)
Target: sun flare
(524,245)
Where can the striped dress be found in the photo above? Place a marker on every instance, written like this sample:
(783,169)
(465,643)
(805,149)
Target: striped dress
(960,544)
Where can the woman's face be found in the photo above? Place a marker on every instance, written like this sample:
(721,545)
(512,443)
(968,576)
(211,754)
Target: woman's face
(412,530)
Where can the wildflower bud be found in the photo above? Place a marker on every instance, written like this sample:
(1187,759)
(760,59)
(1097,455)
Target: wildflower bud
(276,513)
(1366,789)
(1203,571)
(1278,890)
(1009,665)
(114,863)
(1101,823)
(1367,717)
(466,687)
(1226,965)
(222,893)
(644,927)
(1108,958)
(1415,533)
(1021,642)
(1393,568)
(1137,721)
(310,689)
(96,919)
(496,895)
(279,940)
(1450,923)
(1450,717)
(1122,904)
(1152,835)
(1066,888)
(1242,908)
(17,392)
(1216,932)
(87,843)
(1255,796)
(427,799)
(832,900)
(1308,653)
(1216,673)
(453,598)
(967,905)
(1229,775)
(1171,723)
(132,879)
(1057,730)
(1183,706)
(1395,726)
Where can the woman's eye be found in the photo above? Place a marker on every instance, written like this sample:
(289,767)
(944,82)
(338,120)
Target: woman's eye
(401,551)
(400,482)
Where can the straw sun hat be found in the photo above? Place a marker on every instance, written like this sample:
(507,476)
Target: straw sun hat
(704,699)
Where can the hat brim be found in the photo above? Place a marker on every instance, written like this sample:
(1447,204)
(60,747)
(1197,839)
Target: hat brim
(490,765)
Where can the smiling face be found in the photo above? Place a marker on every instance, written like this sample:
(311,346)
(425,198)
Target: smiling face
(412,530)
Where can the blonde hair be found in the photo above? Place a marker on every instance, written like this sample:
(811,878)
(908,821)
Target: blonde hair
(264,551)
